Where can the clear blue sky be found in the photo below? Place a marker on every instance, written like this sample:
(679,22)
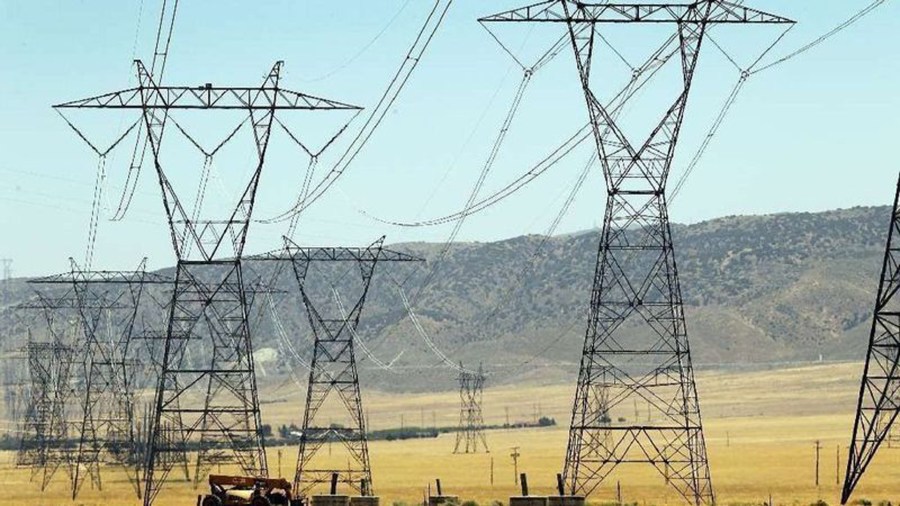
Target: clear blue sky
(816,133)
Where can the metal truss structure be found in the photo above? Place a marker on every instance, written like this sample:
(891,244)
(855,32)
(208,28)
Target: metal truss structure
(213,406)
(333,374)
(44,445)
(636,344)
(104,306)
(471,421)
(879,393)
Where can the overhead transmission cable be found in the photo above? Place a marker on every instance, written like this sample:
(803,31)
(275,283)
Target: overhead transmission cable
(392,92)
(164,31)
(653,64)
(99,183)
(364,48)
(744,75)
(834,31)
(527,73)
(355,336)
(752,70)
(640,77)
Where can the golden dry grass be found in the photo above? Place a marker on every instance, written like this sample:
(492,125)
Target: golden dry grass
(761,428)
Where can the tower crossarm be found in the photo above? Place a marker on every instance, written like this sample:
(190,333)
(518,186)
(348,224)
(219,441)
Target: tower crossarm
(553,11)
(337,254)
(103,277)
(266,98)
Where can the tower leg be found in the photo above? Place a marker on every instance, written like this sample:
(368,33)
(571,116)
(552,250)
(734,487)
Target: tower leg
(879,394)
(212,406)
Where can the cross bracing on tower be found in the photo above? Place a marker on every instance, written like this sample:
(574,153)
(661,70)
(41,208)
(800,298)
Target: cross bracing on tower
(470,436)
(44,443)
(103,307)
(208,314)
(636,343)
(879,394)
(333,411)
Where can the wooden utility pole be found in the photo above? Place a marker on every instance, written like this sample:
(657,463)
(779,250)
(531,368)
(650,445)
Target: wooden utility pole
(492,470)
(515,458)
(837,466)
(818,451)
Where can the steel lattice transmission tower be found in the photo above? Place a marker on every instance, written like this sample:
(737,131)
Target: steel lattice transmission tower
(879,394)
(44,439)
(471,421)
(105,304)
(213,405)
(333,374)
(636,344)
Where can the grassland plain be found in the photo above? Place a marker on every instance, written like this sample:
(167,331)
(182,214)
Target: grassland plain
(761,430)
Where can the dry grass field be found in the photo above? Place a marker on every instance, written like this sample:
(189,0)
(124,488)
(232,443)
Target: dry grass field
(761,431)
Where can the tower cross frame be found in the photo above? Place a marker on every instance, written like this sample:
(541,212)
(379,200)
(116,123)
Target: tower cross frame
(333,368)
(470,434)
(87,417)
(636,277)
(45,431)
(210,303)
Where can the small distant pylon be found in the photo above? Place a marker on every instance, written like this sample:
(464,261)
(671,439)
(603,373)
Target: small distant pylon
(471,420)
(45,432)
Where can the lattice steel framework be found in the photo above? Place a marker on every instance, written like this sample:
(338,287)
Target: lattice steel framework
(215,406)
(470,434)
(636,344)
(333,371)
(105,305)
(44,443)
(879,394)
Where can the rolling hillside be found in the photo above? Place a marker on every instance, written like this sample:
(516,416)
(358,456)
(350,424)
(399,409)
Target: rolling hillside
(758,290)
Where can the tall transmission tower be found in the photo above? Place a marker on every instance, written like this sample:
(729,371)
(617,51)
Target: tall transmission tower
(471,421)
(879,393)
(333,377)
(105,304)
(636,343)
(215,406)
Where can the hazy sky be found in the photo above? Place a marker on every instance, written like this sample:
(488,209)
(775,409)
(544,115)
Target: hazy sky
(812,134)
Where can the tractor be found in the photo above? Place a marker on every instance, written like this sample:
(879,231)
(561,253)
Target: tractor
(247,491)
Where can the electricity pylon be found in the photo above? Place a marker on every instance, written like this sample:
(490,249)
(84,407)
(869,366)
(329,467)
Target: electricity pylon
(44,438)
(105,305)
(471,420)
(213,407)
(879,393)
(333,376)
(636,344)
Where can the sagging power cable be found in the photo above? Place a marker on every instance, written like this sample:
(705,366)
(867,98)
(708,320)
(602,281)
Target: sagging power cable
(752,70)
(164,30)
(392,92)
(356,339)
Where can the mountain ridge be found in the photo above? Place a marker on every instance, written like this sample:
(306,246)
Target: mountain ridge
(757,289)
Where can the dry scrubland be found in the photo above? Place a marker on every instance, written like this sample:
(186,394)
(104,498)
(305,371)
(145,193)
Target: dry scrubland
(761,428)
